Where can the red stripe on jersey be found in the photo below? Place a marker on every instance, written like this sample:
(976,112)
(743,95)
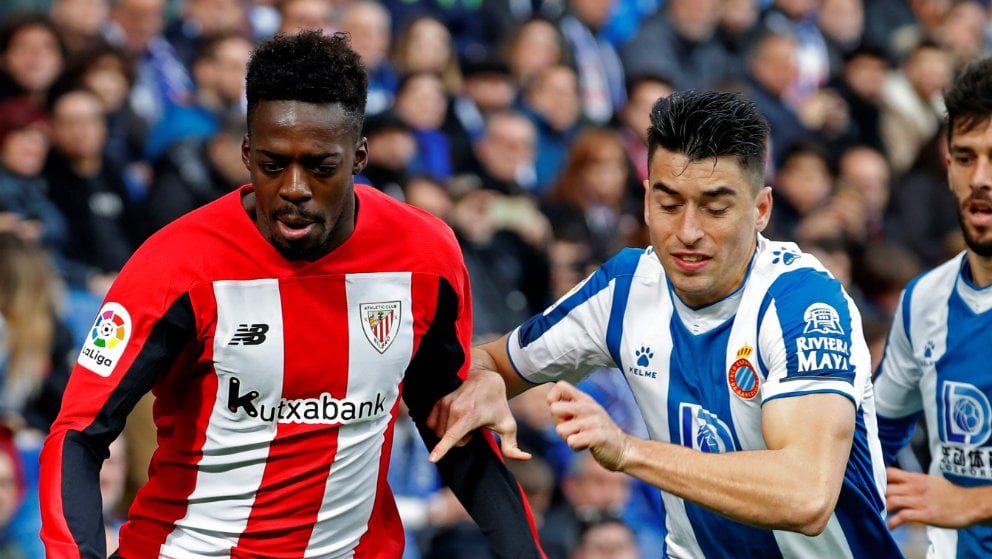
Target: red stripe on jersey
(301,455)
(163,499)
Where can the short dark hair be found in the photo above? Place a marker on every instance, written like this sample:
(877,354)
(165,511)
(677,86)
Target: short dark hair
(969,99)
(310,67)
(710,124)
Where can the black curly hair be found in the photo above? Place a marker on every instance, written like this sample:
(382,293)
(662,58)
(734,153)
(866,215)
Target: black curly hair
(969,99)
(310,67)
(710,124)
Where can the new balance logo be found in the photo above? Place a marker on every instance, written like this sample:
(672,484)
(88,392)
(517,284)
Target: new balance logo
(249,334)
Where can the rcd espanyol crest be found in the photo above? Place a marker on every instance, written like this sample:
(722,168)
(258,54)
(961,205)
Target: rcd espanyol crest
(380,322)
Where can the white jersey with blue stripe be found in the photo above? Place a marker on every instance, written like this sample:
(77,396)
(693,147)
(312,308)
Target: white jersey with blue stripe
(701,375)
(935,363)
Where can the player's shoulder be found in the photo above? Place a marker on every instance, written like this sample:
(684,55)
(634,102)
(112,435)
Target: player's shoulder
(785,264)
(940,278)
(631,261)
(415,224)
(216,215)
(182,243)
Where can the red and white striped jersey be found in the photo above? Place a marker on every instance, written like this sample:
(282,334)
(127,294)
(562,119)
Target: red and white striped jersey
(277,384)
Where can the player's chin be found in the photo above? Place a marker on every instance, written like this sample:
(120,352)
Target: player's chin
(310,247)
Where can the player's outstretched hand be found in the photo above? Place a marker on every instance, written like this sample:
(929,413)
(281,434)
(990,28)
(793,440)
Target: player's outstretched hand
(582,423)
(932,500)
(479,402)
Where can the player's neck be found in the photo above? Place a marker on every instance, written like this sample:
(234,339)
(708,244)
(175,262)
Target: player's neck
(980,269)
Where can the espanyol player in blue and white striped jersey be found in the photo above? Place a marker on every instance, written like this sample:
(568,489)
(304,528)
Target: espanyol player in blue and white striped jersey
(746,358)
(935,361)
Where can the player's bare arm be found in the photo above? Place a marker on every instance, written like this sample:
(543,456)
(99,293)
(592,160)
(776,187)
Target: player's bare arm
(807,436)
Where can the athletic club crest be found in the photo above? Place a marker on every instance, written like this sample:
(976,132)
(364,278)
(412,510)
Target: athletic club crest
(380,322)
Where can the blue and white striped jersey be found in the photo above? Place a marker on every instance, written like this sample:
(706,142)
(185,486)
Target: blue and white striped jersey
(935,363)
(701,375)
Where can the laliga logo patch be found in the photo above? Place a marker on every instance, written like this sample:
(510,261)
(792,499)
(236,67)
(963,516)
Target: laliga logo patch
(107,340)
(742,377)
(380,322)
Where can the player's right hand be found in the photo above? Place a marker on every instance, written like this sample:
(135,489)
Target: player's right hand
(583,424)
(480,402)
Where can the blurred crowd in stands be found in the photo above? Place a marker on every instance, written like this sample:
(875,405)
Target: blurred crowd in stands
(522,123)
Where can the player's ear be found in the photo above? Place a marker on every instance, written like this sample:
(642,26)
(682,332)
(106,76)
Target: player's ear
(361,156)
(764,208)
(245,151)
(647,196)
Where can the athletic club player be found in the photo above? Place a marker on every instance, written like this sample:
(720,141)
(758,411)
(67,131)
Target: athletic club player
(278,328)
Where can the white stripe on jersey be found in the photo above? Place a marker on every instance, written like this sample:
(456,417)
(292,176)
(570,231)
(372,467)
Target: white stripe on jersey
(225,491)
(344,514)
(794,545)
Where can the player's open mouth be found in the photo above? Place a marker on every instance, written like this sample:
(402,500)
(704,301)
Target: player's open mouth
(691,262)
(294,230)
(980,213)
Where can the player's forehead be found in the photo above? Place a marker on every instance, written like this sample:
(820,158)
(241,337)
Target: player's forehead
(672,172)
(308,126)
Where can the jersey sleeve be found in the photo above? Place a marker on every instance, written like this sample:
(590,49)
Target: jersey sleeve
(475,472)
(140,329)
(898,401)
(811,340)
(568,340)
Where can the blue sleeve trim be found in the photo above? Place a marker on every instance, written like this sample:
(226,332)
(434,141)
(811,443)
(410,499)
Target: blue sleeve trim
(515,368)
(807,392)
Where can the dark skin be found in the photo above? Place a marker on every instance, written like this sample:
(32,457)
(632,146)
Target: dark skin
(302,158)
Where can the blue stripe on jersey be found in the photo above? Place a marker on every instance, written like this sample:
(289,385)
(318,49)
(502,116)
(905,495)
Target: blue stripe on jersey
(963,409)
(614,329)
(907,296)
(762,310)
(621,265)
(722,538)
(974,543)
(819,343)
(860,505)
(860,473)
(866,532)
(538,324)
(697,366)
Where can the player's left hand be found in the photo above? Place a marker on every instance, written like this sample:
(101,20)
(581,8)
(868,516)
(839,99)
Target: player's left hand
(480,402)
(582,423)
(932,500)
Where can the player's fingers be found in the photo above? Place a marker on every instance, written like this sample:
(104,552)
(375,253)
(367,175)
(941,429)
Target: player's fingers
(565,390)
(895,475)
(455,434)
(508,444)
(902,517)
(577,440)
(433,418)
